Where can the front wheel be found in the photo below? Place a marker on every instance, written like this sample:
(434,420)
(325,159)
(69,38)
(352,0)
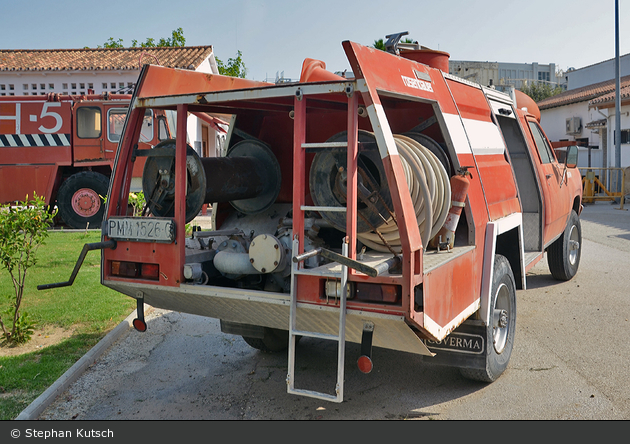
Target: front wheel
(563,256)
(502,325)
(81,199)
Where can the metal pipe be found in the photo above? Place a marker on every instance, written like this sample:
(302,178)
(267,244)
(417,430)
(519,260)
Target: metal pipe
(233,178)
(234,263)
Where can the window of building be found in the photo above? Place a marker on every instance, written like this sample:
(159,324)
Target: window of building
(89,122)
(64,86)
(544,76)
(33,86)
(74,86)
(11,88)
(113,85)
(104,85)
(24,86)
(42,86)
(51,86)
(3,87)
(625,136)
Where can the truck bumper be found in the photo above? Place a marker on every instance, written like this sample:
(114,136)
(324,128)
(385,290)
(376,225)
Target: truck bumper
(273,310)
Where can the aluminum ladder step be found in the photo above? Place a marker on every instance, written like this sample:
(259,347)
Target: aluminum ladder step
(340,338)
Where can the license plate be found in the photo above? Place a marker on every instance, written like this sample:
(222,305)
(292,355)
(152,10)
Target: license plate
(141,229)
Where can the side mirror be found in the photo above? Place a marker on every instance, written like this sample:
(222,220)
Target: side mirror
(568,156)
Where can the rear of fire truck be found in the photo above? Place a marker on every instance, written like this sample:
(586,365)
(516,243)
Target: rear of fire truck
(344,209)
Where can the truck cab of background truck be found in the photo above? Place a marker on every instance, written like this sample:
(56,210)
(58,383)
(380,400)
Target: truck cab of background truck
(401,208)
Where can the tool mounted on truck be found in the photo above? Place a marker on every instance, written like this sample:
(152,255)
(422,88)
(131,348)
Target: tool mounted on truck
(398,209)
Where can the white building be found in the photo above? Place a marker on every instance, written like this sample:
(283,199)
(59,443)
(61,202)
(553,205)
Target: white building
(586,115)
(507,74)
(94,71)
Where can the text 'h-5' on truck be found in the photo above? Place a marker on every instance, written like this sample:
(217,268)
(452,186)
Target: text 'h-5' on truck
(63,147)
(400,208)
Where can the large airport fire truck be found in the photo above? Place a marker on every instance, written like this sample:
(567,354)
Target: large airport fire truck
(400,207)
(63,148)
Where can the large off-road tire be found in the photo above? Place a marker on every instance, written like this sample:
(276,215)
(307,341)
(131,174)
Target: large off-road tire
(274,340)
(500,332)
(563,256)
(79,199)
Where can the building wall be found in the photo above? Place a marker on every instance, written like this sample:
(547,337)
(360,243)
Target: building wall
(499,73)
(72,83)
(599,72)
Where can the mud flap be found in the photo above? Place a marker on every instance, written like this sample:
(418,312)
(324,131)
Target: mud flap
(465,347)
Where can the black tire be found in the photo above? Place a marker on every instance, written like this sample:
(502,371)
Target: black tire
(274,340)
(563,256)
(500,332)
(79,199)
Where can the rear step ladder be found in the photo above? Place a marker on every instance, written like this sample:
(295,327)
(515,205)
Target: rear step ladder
(348,245)
(340,337)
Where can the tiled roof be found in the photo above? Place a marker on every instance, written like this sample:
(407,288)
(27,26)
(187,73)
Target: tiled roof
(24,60)
(607,99)
(583,94)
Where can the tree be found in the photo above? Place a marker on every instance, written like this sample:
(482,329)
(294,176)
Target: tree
(540,90)
(379,44)
(22,230)
(234,66)
(177,39)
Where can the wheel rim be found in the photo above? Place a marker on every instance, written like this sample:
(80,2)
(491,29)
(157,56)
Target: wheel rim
(573,245)
(501,320)
(86,202)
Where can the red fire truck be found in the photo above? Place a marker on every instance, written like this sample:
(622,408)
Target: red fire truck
(63,149)
(401,208)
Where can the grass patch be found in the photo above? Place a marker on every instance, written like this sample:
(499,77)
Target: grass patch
(90,309)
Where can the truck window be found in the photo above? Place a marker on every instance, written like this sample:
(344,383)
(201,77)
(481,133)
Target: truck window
(89,122)
(116,120)
(546,155)
(162,129)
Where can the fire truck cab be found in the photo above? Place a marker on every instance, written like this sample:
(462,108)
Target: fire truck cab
(400,208)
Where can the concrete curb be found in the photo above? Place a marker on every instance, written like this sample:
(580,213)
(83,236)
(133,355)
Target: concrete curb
(42,402)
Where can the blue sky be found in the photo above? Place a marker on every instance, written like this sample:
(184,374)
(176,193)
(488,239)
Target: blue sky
(276,36)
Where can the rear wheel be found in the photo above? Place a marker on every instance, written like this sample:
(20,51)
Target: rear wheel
(79,199)
(273,340)
(563,256)
(500,331)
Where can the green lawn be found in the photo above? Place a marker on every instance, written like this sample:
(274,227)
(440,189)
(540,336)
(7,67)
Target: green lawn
(87,307)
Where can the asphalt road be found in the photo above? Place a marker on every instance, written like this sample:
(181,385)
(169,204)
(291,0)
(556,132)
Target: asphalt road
(570,361)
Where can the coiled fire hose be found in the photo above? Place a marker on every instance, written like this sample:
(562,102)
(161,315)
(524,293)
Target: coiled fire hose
(430,189)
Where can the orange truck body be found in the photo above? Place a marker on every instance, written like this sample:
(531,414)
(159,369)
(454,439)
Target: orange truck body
(322,222)
(46,140)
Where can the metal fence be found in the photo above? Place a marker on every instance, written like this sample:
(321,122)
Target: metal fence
(605,184)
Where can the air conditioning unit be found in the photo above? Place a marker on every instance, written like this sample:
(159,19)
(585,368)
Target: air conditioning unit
(574,125)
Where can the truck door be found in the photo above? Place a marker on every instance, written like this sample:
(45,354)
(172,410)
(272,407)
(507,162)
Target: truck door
(555,192)
(88,133)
